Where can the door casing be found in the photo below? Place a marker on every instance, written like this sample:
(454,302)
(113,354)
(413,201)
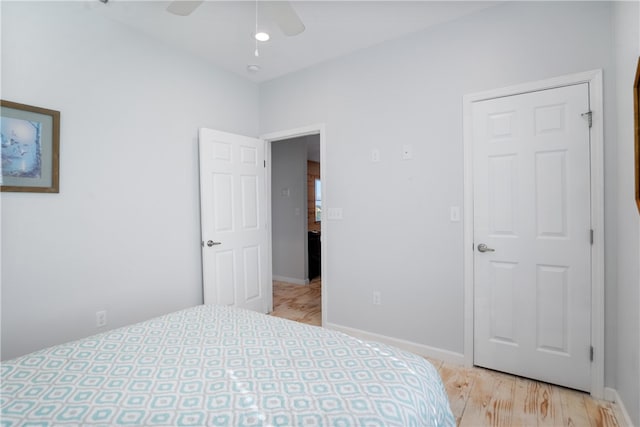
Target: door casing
(594,79)
(315,129)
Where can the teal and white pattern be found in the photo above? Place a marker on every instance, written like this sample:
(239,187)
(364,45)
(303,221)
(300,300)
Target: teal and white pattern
(220,366)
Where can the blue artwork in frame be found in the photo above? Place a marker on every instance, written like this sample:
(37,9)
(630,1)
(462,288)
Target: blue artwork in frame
(30,140)
(21,152)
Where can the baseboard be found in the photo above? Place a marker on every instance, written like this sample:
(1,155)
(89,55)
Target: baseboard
(290,280)
(611,395)
(420,349)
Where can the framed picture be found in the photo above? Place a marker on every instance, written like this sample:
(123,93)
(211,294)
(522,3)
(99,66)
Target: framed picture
(636,121)
(30,148)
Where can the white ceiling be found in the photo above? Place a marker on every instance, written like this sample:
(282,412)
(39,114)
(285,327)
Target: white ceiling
(221,31)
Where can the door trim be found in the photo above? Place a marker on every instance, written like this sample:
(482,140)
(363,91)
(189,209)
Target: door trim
(268,138)
(594,79)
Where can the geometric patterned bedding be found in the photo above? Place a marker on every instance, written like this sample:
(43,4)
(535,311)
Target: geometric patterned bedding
(222,366)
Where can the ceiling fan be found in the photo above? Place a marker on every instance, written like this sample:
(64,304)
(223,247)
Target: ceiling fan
(281,12)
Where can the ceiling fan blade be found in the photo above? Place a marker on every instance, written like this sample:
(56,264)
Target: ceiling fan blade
(283,14)
(183,7)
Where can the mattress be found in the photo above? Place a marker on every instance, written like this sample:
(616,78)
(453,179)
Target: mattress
(221,366)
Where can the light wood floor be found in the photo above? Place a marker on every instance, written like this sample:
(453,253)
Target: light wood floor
(478,397)
(297,302)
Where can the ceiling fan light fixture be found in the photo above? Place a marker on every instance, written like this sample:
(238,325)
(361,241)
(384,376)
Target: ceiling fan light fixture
(262,36)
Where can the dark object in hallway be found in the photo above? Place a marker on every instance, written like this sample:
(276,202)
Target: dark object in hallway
(314,254)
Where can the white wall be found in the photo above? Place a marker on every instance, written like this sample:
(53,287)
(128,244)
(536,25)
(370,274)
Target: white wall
(123,234)
(626,18)
(396,236)
(289,212)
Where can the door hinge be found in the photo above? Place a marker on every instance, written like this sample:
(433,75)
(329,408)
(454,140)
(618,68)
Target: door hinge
(591,236)
(591,353)
(265,163)
(589,117)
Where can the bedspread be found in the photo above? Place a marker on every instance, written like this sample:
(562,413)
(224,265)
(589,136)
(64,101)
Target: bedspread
(220,366)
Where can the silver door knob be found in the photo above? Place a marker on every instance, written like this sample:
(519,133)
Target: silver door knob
(483,248)
(211,243)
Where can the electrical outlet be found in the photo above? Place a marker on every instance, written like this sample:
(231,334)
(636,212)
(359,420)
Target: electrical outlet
(407,152)
(376,298)
(101,318)
(375,155)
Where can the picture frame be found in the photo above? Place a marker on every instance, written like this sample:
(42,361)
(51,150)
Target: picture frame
(636,122)
(30,148)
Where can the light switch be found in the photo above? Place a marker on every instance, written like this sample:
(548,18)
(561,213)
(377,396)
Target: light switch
(334,213)
(286,192)
(455,214)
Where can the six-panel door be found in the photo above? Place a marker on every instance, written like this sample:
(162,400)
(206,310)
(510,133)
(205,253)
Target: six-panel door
(532,302)
(233,218)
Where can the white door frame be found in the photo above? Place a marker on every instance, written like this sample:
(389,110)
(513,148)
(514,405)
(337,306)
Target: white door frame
(317,129)
(594,79)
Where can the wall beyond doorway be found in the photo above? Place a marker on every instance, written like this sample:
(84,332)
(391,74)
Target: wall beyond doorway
(288,210)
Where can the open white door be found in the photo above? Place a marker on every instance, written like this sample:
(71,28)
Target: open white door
(233,220)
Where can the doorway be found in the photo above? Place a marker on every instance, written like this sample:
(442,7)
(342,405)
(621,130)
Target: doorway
(295,173)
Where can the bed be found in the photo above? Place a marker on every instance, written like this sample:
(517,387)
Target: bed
(221,366)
